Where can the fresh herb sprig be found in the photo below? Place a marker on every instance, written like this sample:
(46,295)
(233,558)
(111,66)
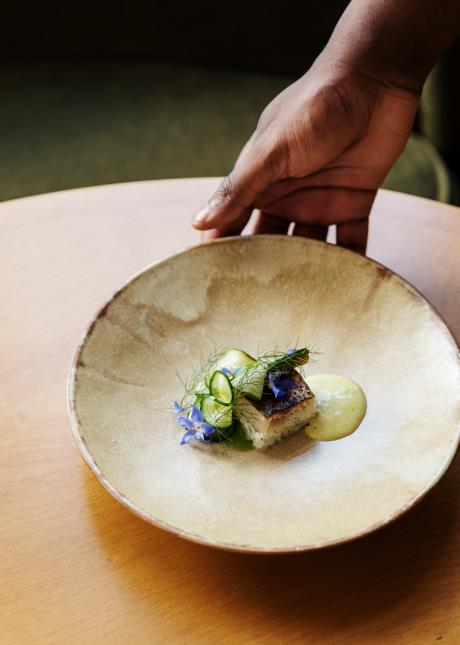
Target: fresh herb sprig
(284,362)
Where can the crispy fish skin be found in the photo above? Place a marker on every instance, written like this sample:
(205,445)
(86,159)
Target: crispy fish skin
(298,393)
(270,420)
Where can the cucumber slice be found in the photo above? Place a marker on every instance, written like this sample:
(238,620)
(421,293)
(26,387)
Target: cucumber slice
(250,375)
(220,388)
(215,413)
(234,359)
(250,381)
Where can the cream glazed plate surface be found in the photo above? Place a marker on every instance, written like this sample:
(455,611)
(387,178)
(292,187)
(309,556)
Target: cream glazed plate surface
(365,322)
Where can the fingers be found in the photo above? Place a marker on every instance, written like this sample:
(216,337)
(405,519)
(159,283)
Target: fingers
(233,201)
(213,234)
(264,223)
(353,235)
(311,231)
(334,178)
(323,206)
(345,177)
(234,228)
(312,209)
(225,207)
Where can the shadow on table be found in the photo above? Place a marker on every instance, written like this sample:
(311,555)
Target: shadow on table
(388,576)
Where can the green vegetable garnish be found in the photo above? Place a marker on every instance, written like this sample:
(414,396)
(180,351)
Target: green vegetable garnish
(215,389)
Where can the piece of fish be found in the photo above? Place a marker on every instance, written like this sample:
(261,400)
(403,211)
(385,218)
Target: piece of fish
(270,419)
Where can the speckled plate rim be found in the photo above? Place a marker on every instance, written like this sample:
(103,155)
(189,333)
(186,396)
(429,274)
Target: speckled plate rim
(243,548)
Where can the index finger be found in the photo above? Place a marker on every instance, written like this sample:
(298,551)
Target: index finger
(354,234)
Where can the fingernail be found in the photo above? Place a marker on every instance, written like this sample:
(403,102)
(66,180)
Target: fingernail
(202,215)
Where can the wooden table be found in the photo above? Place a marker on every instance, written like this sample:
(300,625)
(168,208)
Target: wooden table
(76,566)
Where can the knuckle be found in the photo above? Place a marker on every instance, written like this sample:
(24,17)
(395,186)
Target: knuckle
(275,160)
(225,193)
(226,189)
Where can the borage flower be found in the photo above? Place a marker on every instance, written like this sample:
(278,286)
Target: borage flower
(178,409)
(228,372)
(195,425)
(279,385)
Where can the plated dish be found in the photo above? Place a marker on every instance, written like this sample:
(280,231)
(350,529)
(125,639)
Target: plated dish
(256,402)
(253,294)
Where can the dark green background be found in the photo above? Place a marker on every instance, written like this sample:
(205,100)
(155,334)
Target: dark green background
(116,91)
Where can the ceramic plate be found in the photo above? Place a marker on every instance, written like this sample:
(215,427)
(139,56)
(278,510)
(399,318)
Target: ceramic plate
(365,323)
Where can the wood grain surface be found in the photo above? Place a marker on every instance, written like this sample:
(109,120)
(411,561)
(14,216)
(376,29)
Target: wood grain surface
(76,566)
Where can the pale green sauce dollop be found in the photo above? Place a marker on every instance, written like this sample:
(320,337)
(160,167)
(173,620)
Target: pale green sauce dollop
(342,406)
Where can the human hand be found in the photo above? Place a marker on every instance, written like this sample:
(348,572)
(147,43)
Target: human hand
(319,153)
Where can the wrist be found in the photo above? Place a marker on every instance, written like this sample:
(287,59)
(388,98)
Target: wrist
(393,42)
(368,67)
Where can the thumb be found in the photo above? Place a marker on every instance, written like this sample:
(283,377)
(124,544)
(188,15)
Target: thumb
(232,203)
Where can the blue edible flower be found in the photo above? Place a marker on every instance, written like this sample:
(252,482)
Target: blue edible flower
(279,385)
(195,425)
(228,372)
(178,408)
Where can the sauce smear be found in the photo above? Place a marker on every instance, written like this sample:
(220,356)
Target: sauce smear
(342,406)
